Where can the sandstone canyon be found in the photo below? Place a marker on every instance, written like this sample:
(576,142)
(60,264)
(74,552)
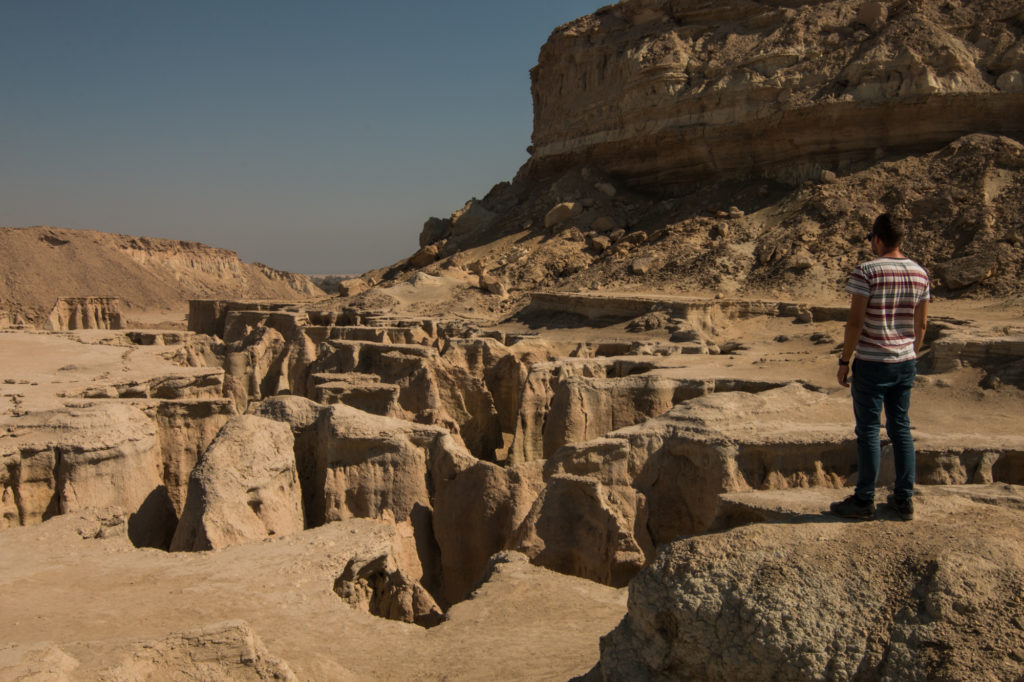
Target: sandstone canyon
(589,428)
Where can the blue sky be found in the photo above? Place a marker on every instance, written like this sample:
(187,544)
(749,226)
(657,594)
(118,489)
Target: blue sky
(311,136)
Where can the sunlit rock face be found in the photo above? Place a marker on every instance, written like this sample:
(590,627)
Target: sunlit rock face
(666,92)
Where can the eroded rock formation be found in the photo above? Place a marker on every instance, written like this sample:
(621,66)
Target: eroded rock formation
(243,488)
(814,599)
(90,455)
(662,93)
(90,312)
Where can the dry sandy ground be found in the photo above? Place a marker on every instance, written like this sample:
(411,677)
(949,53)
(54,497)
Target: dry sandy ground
(93,597)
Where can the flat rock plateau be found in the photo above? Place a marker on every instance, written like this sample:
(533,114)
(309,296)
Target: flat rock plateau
(588,429)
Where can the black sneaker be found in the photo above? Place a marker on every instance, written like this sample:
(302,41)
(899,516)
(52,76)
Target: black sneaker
(852,508)
(905,508)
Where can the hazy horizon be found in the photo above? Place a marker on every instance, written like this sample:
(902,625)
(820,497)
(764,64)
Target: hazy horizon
(312,137)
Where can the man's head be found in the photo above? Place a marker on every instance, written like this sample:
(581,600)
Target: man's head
(889,232)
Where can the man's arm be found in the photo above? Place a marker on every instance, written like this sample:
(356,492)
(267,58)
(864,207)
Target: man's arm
(854,326)
(920,324)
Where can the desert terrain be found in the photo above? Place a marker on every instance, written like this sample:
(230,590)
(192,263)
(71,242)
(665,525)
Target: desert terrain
(590,427)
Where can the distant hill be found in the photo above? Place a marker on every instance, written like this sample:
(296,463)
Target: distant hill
(41,264)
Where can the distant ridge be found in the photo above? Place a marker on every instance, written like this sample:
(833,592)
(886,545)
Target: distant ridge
(41,264)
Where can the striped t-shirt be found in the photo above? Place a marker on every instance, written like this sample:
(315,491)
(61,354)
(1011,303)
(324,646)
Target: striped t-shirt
(893,287)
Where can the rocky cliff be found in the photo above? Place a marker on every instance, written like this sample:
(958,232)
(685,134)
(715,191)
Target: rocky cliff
(43,264)
(665,92)
(746,147)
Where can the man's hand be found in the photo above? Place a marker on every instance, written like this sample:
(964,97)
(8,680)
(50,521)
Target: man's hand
(843,375)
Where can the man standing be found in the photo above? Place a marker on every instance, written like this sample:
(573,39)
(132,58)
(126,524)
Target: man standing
(886,325)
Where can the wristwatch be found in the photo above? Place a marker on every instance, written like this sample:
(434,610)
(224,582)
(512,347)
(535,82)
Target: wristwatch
(843,363)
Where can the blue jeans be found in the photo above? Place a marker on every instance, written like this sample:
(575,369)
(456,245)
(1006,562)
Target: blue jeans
(874,385)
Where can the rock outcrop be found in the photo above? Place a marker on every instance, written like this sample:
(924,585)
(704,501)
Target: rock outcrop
(379,586)
(243,488)
(809,597)
(662,93)
(103,454)
(609,502)
(185,429)
(748,147)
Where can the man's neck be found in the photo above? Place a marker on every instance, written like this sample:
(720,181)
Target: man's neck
(894,253)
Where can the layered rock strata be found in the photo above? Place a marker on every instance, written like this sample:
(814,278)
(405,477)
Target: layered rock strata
(663,93)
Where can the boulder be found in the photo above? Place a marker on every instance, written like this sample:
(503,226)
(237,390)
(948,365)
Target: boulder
(641,266)
(382,468)
(959,273)
(244,488)
(801,260)
(371,466)
(560,213)
(493,285)
(424,257)
(580,527)
(873,14)
(598,243)
(1011,81)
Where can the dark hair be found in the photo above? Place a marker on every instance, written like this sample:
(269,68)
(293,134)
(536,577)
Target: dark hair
(891,233)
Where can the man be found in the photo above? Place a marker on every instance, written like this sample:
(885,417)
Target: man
(885,328)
